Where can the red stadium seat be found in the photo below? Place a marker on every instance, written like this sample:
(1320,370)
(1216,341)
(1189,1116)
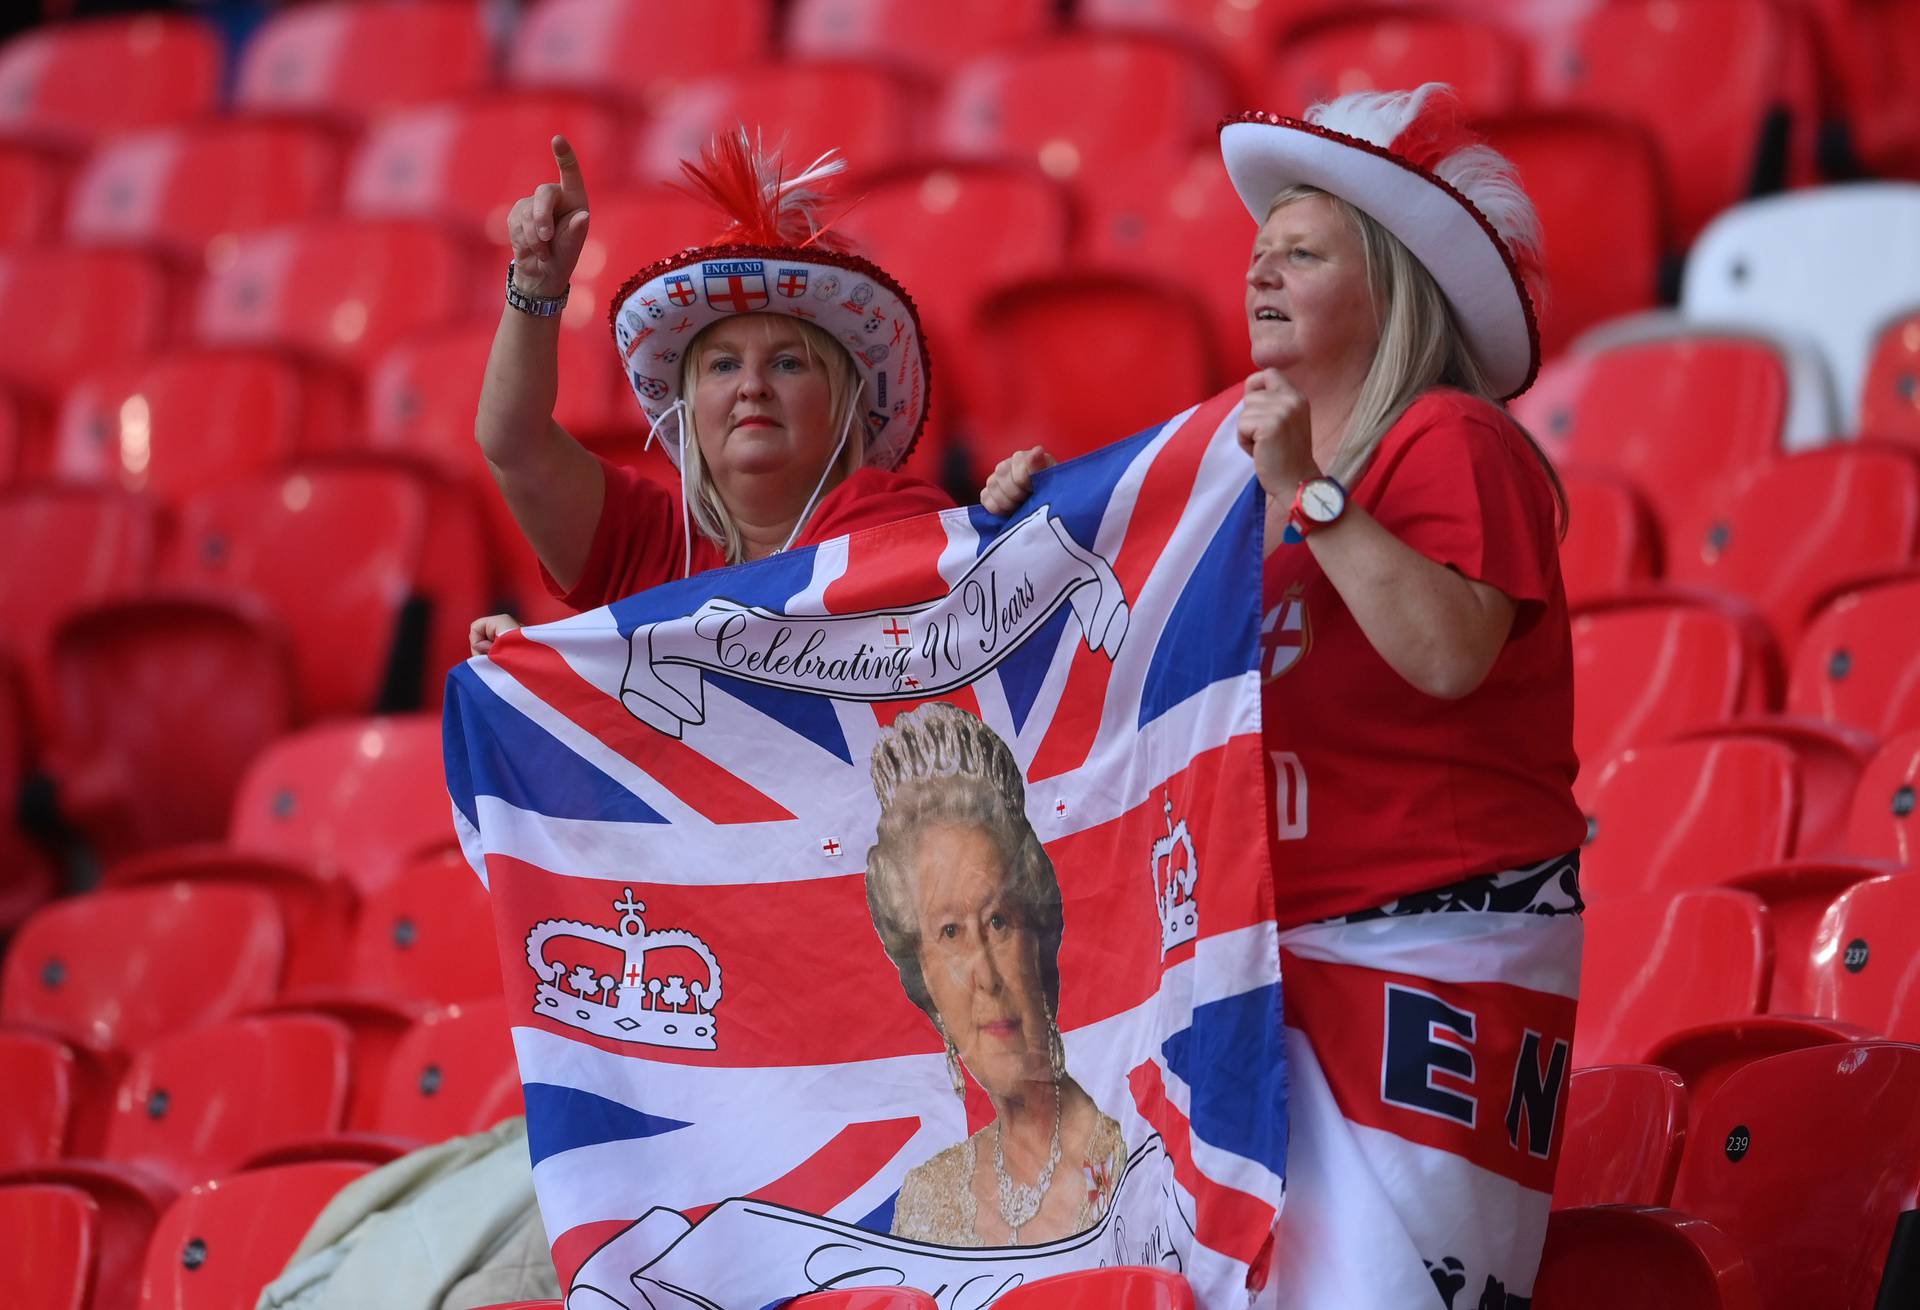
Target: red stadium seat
(180,188)
(1874,50)
(114,969)
(1652,666)
(1807,1160)
(386,551)
(1612,542)
(82,81)
(355,59)
(643,53)
(1136,100)
(453,1074)
(855,1298)
(1625,1126)
(105,543)
(870,114)
(466,161)
(1890,396)
(1599,1257)
(196,1104)
(1673,415)
(98,306)
(1866,957)
(1597,266)
(1859,660)
(176,423)
(375,1027)
(1828,759)
(1881,825)
(44,1078)
(1244,33)
(428,935)
(1706,1055)
(910,34)
(34,183)
(1686,813)
(1720,124)
(1855,511)
(357,800)
(1117,1287)
(1052,391)
(47,1237)
(1385,50)
(13,440)
(209,673)
(1797,894)
(223,1241)
(1654,965)
(1190,228)
(341,291)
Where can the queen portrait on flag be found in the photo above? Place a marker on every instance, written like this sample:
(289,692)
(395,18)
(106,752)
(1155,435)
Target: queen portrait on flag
(968,907)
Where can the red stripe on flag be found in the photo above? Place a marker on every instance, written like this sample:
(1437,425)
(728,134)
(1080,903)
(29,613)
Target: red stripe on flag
(1168,482)
(836,1171)
(715,793)
(1227,1219)
(886,711)
(576,1246)
(896,564)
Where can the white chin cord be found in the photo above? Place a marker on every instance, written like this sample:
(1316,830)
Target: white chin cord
(846,430)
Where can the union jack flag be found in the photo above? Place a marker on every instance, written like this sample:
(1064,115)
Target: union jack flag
(670,803)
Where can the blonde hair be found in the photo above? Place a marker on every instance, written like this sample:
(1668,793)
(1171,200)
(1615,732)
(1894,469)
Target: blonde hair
(1420,347)
(845,389)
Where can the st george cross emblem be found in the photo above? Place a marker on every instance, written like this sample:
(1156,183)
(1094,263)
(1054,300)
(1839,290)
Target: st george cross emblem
(737,286)
(680,289)
(1286,634)
(792,283)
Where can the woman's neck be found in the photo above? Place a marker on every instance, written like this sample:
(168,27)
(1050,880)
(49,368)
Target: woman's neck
(1330,397)
(766,513)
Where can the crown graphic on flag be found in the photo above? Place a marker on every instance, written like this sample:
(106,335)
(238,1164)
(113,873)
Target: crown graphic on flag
(1176,872)
(669,1010)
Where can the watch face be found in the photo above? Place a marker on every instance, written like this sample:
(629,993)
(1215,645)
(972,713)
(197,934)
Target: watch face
(1321,501)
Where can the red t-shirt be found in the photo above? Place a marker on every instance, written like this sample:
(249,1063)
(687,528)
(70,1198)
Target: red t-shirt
(638,542)
(1380,789)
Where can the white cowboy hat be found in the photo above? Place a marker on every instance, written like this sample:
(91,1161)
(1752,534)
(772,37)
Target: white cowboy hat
(1408,161)
(774,257)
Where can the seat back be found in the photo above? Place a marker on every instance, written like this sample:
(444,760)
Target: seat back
(1653,965)
(211,673)
(1866,957)
(1797,895)
(1856,511)
(1890,391)
(42,1078)
(34,184)
(337,290)
(198,1103)
(864,1298)
(1750,266)
(114,969)
(160,69)
(1807,1160)
(356,59)
(181,188)
(1384,51)
(1859,660)
(454,1073)
(465,162)
(1117,1287)
(925,39)
(1626,1124)
(99,305)
(1052,392)
(428,934)
(222,1242)
(1686,813)
(616,49)
(1599,1257)
(1881,825)
(1612,541)
(48,1234)
(1651,669)
(356,799)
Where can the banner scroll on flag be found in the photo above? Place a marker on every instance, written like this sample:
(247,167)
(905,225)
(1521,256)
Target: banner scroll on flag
(815,876)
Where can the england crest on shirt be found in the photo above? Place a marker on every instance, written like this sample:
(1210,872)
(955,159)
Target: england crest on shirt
(1286,634)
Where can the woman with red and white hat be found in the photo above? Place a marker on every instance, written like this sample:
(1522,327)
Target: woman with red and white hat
(785,376)
(1417,702)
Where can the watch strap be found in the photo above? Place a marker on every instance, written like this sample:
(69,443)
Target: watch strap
(538,306)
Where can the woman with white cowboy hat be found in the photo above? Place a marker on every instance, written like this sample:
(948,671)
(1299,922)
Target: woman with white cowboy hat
(1417,701)
(785,376)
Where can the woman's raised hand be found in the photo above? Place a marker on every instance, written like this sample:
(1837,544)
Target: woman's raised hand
(548,228)
(1276,428)
(482,633)
(1012,482)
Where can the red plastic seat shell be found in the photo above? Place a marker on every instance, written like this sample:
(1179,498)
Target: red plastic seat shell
(1859,660)
(1626,1125)
(1881,824)
(1866,957)
(351,60)
(1600,1257)
(48,1234)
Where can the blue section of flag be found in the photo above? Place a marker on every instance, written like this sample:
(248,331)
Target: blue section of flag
(1022,672)
(1239,1104)
(454,739)
(564,1118)
(880,1218)
(506,754)
(1212,633)
(811,717)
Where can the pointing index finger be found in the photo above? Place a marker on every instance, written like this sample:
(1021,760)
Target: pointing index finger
(573,187)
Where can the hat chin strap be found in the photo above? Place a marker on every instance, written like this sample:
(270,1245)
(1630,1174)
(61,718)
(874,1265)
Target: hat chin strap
(846,430)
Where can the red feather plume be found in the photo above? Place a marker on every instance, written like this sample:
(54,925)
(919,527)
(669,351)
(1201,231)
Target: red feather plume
(763,206)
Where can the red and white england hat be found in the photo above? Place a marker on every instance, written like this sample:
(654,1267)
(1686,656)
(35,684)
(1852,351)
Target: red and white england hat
(1408,160)
(775,256)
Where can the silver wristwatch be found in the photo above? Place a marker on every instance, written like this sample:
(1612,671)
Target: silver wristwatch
(538,306)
